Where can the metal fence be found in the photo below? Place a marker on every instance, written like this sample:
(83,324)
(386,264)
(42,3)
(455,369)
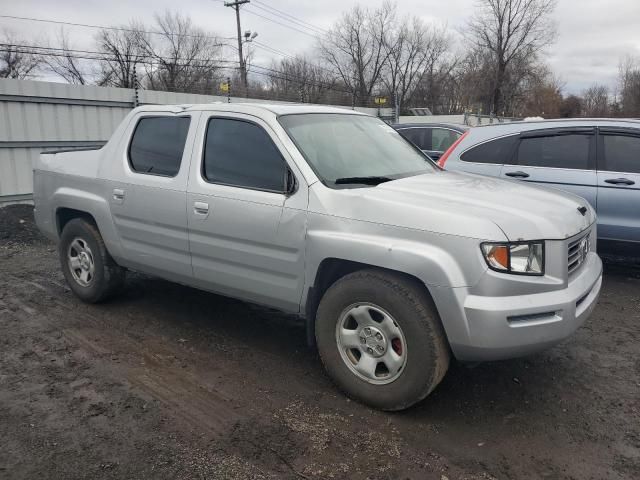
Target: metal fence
(40,116)
(469,119)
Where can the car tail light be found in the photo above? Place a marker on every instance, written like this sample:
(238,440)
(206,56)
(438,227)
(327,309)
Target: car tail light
(445,155)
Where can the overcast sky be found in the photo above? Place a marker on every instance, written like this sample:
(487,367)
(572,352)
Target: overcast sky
(593,35)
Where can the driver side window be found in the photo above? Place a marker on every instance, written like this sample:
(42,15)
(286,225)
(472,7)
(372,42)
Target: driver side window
(241,154)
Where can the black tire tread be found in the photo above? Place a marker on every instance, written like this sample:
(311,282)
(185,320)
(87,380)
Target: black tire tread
(413,294)
(113,274)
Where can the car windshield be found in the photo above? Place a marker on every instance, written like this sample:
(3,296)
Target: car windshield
(352,149)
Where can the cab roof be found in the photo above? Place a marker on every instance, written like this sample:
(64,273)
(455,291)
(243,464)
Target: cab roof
(252,108)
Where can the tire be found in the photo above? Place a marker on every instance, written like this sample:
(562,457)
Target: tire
(405,316)
(94,276)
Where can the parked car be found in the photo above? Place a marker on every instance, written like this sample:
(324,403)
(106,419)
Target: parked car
(598,160)
(329,214)
(432,138)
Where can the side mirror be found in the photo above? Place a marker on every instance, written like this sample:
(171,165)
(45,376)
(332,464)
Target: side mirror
(290,183)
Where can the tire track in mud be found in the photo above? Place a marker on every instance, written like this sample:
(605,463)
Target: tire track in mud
(153,372)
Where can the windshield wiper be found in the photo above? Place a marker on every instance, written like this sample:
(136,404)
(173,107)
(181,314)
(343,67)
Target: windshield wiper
(362,180)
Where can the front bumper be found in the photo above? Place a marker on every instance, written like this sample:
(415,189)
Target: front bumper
(492,328)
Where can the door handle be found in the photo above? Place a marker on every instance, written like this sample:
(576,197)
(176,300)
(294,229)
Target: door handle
(620,181)
(118,195)
(518,174)
(201,208)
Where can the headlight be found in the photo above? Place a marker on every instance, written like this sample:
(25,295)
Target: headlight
(524,258)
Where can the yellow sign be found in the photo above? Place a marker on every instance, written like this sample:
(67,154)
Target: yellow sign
(224,87)
(380,100)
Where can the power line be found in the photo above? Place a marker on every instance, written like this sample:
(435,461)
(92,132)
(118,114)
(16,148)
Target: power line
(293,57)
(120,29)
(99,56)
(282,24)
(260,2)
(280,52)
(102,56)
(287,17)
(275,21)
(273,50)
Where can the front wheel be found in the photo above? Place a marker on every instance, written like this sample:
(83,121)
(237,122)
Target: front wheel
(87,266)
(381,340)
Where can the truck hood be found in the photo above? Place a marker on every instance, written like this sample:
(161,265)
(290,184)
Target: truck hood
(469,205)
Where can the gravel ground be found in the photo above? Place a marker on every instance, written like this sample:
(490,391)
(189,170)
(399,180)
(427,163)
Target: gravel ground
(171,382)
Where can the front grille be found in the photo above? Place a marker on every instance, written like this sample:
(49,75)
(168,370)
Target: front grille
(577,252)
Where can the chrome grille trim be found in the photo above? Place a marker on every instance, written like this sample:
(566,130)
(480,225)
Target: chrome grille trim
(577,252)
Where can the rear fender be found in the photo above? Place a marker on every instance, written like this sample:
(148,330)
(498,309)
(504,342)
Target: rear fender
(94,204)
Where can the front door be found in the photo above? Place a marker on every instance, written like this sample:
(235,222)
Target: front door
(619,184)
(559,158)
(246,233)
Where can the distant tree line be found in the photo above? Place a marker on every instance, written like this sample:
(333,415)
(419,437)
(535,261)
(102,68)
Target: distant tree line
(494,65)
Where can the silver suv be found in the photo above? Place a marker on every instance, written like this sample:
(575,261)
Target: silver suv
(393,264)
(598,160)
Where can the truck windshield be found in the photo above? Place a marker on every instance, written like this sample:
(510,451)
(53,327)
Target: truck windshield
(346,149)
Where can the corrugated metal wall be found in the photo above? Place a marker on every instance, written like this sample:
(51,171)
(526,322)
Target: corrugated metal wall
(39,116)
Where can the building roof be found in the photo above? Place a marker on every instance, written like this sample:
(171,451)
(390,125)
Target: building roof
(454,126)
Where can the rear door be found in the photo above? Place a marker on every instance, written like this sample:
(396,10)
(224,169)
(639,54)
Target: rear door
(619,184)
(563,158)
(148,193)
(246,233)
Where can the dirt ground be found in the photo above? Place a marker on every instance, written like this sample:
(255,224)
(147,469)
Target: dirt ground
(171,382)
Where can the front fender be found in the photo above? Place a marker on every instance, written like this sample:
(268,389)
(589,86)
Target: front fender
(436,260)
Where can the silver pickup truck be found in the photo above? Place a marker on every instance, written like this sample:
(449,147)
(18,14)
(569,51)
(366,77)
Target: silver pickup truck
(393,263)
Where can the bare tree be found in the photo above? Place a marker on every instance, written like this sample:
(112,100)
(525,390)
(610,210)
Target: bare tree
(412,47)
(570,107)
(66,64)
(438,86)
(298,79)
(124,51)
(595,101)
(543,97)
(629,85)
(355,48)
(510,30)
(186,59)
(472,83)
(16,60)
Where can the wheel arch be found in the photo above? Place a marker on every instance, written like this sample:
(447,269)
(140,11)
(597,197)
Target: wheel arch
(69,203)
(329,271)
(65,214)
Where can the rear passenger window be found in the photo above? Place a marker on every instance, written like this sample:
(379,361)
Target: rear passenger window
(158,144)
(442,139)
(621,153)
(559,151)
(242,154)
(417,136)
(497,151)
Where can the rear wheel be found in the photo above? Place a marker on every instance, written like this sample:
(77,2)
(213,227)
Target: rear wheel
(381,340)
(87,266)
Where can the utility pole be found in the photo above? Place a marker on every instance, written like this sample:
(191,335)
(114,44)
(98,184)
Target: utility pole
(243,66)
